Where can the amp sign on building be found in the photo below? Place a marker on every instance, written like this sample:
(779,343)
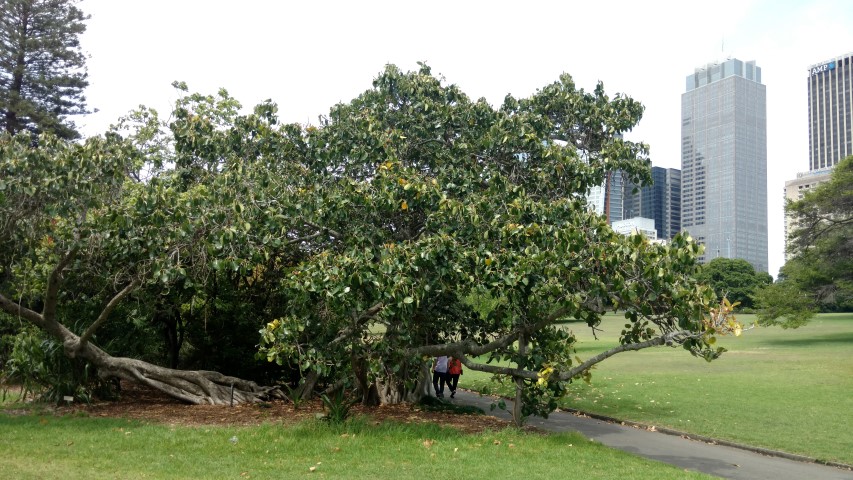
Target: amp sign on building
(823,68)
(830,111)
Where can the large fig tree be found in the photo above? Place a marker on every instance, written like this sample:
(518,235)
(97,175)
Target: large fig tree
(103,231)
(432,203)
(376,237)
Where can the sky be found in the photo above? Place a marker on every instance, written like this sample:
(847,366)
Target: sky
(310,55)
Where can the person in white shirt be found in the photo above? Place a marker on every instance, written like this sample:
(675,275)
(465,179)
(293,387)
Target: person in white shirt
(439,375)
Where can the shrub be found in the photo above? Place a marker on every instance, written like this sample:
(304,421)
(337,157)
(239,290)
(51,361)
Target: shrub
(38,364)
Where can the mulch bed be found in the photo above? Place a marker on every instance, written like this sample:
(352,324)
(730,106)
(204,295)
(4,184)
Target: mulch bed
(142,403)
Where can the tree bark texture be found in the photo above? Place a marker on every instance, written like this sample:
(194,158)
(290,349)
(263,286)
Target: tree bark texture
(191,386)
(517,416)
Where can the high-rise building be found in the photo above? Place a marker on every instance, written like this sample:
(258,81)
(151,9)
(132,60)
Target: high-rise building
(629,226)
(830,86)
(606,199)
(795,189)
(660,201)
(724,161)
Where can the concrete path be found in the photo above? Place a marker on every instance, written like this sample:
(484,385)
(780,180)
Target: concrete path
(719,460)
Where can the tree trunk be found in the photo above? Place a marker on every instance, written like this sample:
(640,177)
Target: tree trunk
(517,416)
(191,386)
(196,387)
(305,391)
(368,391)
(172,335)
(423,387)
(393,390)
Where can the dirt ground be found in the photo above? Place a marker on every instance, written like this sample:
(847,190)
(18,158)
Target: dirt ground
(141,403)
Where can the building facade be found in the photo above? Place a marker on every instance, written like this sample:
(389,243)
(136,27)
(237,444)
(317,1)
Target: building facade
(724,161)
(660,201)
(794,191)
(629,226)
(830,101)
(606,199)
(830,88)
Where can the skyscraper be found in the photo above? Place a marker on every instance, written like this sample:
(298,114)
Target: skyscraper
(660,201)
(606,199)
(830,86)
(724,161)
(830,112)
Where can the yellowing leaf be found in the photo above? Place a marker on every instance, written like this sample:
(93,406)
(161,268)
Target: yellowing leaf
(404,206)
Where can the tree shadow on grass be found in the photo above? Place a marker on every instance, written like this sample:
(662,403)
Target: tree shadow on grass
(804,341)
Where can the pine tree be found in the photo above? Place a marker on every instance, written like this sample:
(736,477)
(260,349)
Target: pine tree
(42,67)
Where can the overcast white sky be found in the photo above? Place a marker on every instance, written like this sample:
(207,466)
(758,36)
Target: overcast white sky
(309,55)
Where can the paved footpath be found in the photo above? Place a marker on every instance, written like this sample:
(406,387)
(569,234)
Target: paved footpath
(719,460)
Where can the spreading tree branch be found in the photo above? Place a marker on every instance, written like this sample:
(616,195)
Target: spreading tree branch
(668,339)
(15,309)
(468,347)
(323,229)
(359,322)
(304,239)
(105,313)
(53,282)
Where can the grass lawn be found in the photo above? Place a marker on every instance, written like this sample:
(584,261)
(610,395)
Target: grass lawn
(789,390)
(37,447)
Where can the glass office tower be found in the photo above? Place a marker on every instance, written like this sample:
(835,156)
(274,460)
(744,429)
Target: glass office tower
(660,201)
(830,112)
(606,199)
(724,161)
(830,96)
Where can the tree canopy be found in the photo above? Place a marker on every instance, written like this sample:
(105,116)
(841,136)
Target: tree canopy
(42,67)
(819,272)
(733,278)
(410,222)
